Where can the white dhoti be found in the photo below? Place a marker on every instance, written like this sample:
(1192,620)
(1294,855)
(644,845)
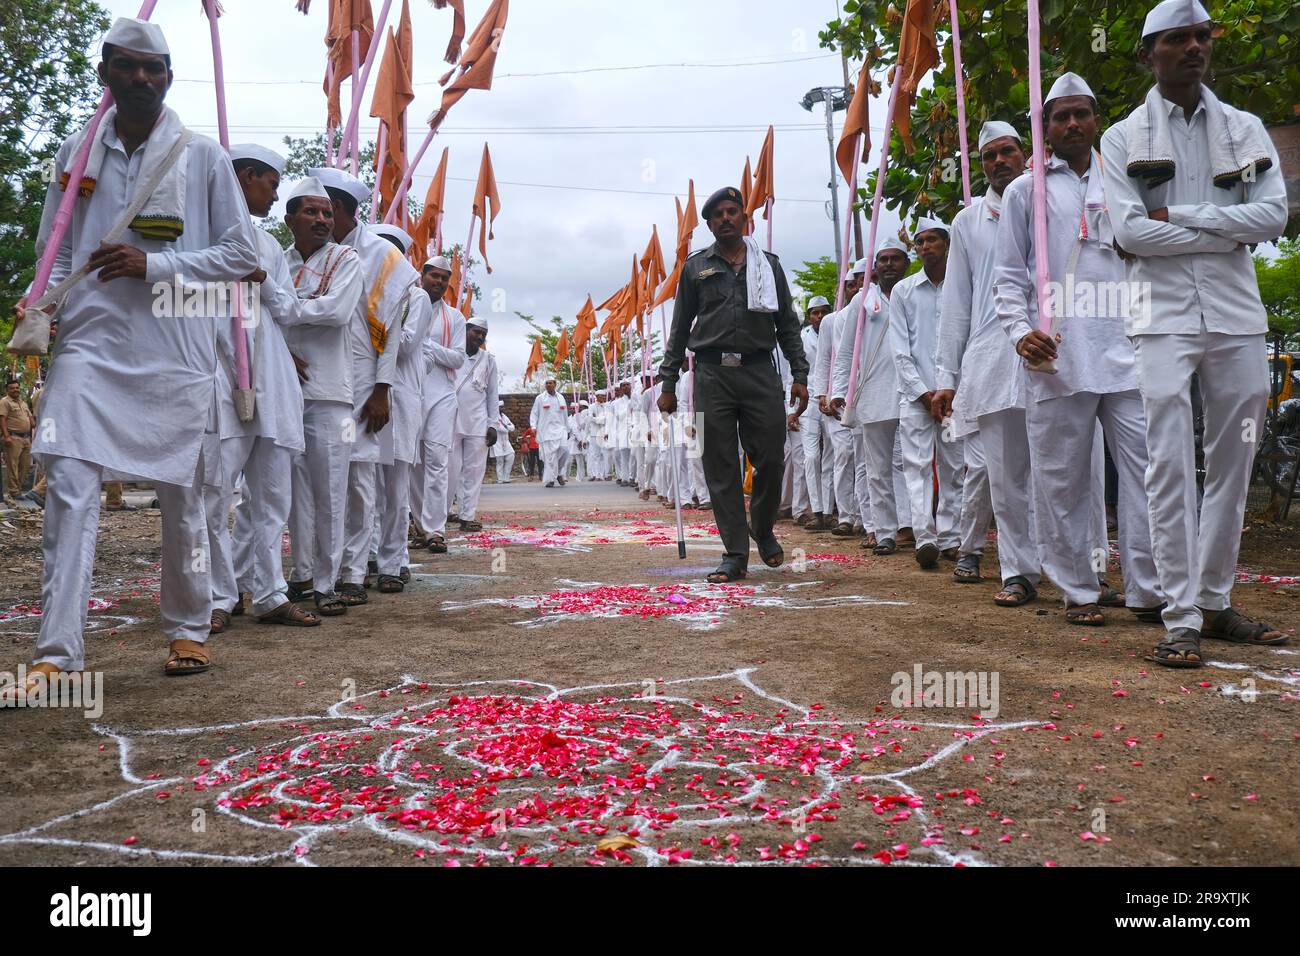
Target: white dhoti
(1196,560)
(1006,457)
(846,499)
(878,444)
(505,464)
(468,465)
(68,548)
(435,488)
(1062,432)
(976,502)
(550,455)
(320,490)
(926,454)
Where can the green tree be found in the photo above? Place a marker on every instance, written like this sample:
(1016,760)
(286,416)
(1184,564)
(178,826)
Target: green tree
(818,277)
(48,88)
(1279,288)
(549,334)
(1257,68)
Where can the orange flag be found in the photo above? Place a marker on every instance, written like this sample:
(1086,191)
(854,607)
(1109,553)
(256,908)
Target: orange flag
(745,177)
(856,121)
(686,223)
(426,226)
(632,304)
(652,267)
(467,306)
(452,295)
(345,16)
(477,62)
(918,53)
(485,194)
(762,190)
(457,26)
(393,93)
(586,322)
(613,321)
(534,359)
(561,349)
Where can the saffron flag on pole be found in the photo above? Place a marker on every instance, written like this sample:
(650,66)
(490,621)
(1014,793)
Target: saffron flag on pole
(857,122)
(686,223)
(652,268)
(762,189)
(476,63)
(584,325)
(457,26)
(452,295)
(918,53)
(425,230)
(393,93)
(534,359)
(345,16)
(487,203)
(561,349)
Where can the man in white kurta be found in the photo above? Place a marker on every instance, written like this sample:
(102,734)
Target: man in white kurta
(115,353)
(841,496)
(476,407)
(1190,183)
(549,418)
(981,380)
(620,433)
(928,448)
(407,424)
(503,450)
(444,354)
(644,431)
(598,438)
(814,427)
(1094,378)
(578,438)
(327,279)
(693,441)
(260,451)
(375,339)
(870,404)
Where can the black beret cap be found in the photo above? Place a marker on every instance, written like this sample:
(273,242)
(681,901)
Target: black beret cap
(726,192)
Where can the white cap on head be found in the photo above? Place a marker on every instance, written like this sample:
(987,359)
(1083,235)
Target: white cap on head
(132,33)
(479,320)
(260,153)
(1174,13)
(439,262)
(859,268)
(817,302)
(583,403)
(1068,84)
(893,242)
(500,403)
(310,186)
(925,222)
(396,232)
(549,378)
(996,129)
(332,178)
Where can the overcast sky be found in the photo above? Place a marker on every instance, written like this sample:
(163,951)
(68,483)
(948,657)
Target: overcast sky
(589,143)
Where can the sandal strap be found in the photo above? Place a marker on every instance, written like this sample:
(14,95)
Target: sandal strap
(182,649)
(1237,626)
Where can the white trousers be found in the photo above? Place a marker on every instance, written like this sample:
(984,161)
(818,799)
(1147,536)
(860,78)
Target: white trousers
(799,501)
(878,445)
(1196,560)
(580,464)
(359,526)
(68,548)
(623,464)
(649,460)
(596,467)
(550,455)
(1005,439)
(1062,432)
(468,466)
(818,459)
(320,491)
(394,516)
(268,489)
(505,465)
(902,501)
(433,499)
(846,498)
(976,502)
(926,454)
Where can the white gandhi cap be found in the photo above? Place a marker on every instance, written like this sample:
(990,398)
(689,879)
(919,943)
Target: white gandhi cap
(439,262)
(1069,84)
(310,186)
(132,33)
(996,129)
(260,153)
(1174,13)
(395,232)
(338,179)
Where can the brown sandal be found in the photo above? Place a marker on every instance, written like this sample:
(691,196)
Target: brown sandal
(290,614)
(220,621)
(1236,628)
(1089,615)
(1181,641)
(186,657)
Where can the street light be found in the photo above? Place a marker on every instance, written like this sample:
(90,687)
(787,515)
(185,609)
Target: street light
(834,98)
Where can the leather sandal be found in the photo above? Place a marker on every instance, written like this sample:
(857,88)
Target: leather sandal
(289,614)
(220,621)
(186,657)
(390,584)
(1181,647)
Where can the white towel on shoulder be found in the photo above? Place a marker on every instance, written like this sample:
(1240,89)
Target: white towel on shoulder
(760,283)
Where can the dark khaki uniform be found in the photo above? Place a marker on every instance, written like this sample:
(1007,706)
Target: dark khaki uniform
(737,390)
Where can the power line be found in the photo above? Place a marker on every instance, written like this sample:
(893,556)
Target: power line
(596,189)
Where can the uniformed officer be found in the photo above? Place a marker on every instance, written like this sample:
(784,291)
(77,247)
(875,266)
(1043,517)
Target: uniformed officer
(733,307)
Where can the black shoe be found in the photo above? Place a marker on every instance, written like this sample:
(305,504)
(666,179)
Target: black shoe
(927,556)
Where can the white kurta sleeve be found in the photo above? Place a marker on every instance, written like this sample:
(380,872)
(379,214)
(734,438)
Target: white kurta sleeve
(902,342)
(846,327)
(492,397)
(451,356)
(336,306)
(1012,264)
(955,316)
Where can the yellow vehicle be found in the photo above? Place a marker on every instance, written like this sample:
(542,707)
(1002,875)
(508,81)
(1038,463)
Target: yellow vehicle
(1279,379)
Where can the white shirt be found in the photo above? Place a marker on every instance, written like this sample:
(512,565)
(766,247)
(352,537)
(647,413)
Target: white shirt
(550,417)
(278,403)
(444,353)
(819,380)
(876,399)
(618,421)
(914,333)
(504,427)
(476,394)
(1195,264)
(406,395)
(317,331)
(128,389)
(975,357)
(1094,355)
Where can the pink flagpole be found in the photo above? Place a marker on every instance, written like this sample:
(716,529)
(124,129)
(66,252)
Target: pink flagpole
(871,236)
(961,100)
(400,196)
(845,256)
(464,257)
(1040,170)
(63,215)
(350,133)
(381,155)
(767,214)
(437,235)
(243,377)
(329,130)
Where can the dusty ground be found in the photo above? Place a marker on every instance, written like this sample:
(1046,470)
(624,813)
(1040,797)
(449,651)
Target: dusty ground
(492,714)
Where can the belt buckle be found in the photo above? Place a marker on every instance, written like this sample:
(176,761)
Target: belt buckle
(732,359)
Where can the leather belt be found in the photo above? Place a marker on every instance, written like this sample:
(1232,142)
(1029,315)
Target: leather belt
(731,359)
